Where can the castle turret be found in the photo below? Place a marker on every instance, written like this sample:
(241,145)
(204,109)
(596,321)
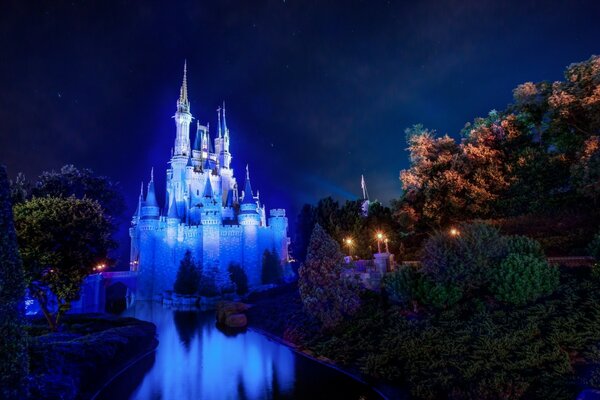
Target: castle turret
(150,209)
(223,146)
(183,117)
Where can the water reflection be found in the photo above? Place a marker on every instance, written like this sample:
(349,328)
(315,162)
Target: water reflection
(195,360)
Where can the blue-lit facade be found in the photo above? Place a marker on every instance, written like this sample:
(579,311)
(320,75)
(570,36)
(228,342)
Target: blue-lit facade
(203,211)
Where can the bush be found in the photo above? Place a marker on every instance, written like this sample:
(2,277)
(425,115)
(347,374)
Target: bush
(521,279)
(271,267)
(208,281)
(594,247)
(407,284)
(400,284)
(524,245)
(188,276)
(239,278)
(465,260)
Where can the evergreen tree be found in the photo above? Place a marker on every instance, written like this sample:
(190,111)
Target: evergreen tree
(324,293)
(188,276)
(208,281)
(271,268)
(13,341)
(239,278)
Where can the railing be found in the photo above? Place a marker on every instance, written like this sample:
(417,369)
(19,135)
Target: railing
(118,274)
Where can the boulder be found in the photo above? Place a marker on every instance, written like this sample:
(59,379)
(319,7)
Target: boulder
(230,313)
(236,321)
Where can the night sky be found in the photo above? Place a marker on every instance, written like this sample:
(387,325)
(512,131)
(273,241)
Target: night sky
(317,93)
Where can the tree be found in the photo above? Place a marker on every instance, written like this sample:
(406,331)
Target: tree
(271,267)
(239,278)
(71,181)
(61,241)
(304,226)
(13,339)
(324,293)
(187,281)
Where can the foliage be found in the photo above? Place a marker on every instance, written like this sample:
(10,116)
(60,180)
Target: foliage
(61,241)
(406,285)
(523,245)
(187,281)
(13,341)
(473,350)
(208,281)
(540,156)
(523,278)
(594,247)
(465,260)
(239,278)
(271,271)
(325,295)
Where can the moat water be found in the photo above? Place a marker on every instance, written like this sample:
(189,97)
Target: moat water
(196,360)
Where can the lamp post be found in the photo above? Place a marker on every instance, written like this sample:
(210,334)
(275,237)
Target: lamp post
(379,237)
(349,242)
(387,249)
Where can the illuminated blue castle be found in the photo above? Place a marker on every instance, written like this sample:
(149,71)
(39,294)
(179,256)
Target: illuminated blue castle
(203,212)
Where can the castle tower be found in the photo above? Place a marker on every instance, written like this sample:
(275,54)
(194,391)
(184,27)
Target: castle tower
(183,117)
(250,220)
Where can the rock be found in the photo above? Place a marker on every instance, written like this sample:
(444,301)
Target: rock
(236,321)
(229,313)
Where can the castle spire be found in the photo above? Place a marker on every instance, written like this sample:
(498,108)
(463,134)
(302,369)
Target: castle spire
(183,94)
(219,120)
(248,199)
(151,195)
(172,210)
(225,130)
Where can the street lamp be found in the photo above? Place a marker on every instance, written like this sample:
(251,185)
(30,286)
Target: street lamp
(349,242)
(387,249)
(379,237)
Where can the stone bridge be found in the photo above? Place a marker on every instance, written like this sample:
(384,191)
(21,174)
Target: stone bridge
(95,286)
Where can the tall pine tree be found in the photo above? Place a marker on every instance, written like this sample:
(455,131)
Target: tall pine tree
(187,281)
(13,341)
(326,295)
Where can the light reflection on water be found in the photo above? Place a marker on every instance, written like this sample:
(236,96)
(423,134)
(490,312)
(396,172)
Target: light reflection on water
(195,360)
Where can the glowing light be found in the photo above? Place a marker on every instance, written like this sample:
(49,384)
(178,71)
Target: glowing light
(379,236)
(454,232)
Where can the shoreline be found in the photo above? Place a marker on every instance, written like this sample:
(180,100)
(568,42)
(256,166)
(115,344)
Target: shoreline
(323,361)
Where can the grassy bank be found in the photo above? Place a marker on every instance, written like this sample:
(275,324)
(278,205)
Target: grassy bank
(87,352)
(548,349)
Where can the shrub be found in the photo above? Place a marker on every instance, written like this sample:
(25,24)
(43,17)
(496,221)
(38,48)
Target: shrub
(239,278)
(594,247)
(400,284)
(407,284)
(524,245)
(188,276)
(521,279)
(465,260)
(271,267)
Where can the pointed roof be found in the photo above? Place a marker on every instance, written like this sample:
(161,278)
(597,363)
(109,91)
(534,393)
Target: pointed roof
(219,120)
(189,162)
(172,212)
(229,201)
(225,121)
(206,166)
(151,196)
(248,199)
(183,103)
(140,200)
(166,201)
(208,191)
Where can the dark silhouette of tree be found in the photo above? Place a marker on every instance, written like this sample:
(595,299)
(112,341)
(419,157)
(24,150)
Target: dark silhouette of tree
(187,281)
(239,278)
(272,272)
(326,295)
(13,340)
